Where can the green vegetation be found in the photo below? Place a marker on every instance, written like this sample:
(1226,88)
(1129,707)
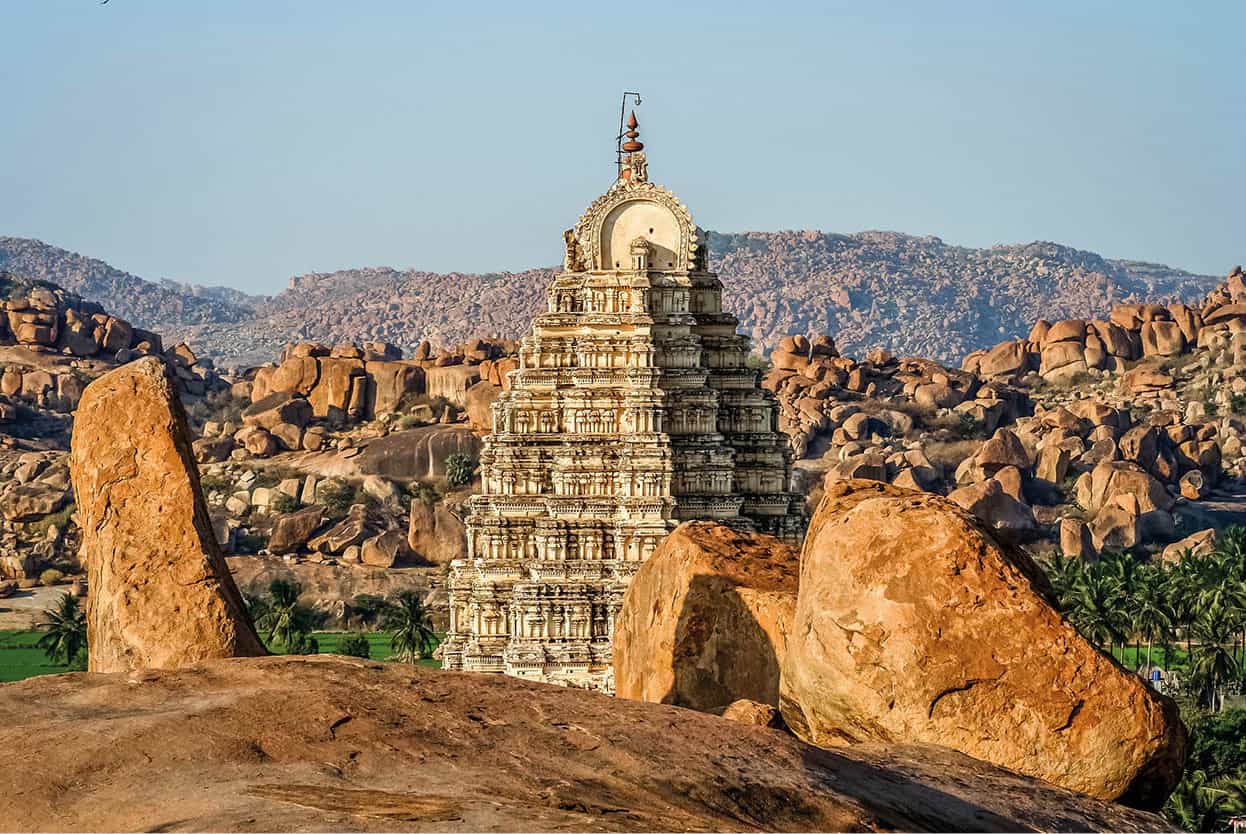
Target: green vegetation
(410,402)
(1121,602)
(355,645)
(288,627)
(331,642)
(413,636)
(64,632)
(219,406)
(21,657)
(282,503)
(216,483)
(1214,787)
(1210,407)
(58,519)
(460,467)
(284,624)
(338,496)
(969,426)
(1189,618)
(1237,403)
(408,421)
(283,621)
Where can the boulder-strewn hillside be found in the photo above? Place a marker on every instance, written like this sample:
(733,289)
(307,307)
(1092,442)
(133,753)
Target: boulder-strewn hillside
(387,305)
(165,306)
(913,295)
(919,295)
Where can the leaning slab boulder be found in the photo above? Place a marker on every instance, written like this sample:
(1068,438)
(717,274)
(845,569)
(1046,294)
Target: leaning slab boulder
(161,593)
(292,530)
(705,620)
(914,623)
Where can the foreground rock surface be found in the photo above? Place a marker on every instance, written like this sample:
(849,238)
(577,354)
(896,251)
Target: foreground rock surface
(914,623)
(331,744)
(161,594)
(705,619)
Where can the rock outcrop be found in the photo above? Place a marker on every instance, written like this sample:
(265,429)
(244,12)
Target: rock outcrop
(913,623)
(53,343)
(161,594)
(1065,350)
(705,620)
(329,743)
(435,533)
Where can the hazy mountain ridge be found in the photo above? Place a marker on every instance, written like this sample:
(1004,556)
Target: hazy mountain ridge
(154,305)
(914,295)
(919,295)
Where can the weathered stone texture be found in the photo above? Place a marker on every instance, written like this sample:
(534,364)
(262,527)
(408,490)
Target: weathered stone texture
(705,621)
(915,624)
(161,594)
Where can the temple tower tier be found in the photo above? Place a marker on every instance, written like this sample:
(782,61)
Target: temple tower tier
(633,409)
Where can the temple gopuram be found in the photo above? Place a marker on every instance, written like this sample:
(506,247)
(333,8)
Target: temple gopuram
(633,409)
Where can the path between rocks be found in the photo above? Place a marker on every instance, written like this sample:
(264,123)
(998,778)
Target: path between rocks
(1222,508)
(24,610)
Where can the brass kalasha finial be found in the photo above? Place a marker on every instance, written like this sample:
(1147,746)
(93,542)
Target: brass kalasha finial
(631,145)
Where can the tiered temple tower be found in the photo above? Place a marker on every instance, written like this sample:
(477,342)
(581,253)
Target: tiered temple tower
(632,410)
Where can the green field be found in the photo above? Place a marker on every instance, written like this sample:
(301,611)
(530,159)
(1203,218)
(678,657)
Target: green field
(20,658)
(1133,656)
(378,642)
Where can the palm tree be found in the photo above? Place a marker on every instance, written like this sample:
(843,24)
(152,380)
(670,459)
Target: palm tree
(414,637)
(287,622)
(1098,608)
(1214,660)
(1181,590)
(1121,567)
(64,629)
(1200,804)
(1065,575)
(1222,582)
(1152,619)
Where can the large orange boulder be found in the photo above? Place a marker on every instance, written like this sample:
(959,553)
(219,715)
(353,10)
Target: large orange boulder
(297,375)
(332,395)
(161,593)
(705,620)
(435,534)
(478,403)
(915,624)
(389,382)
(1006,359)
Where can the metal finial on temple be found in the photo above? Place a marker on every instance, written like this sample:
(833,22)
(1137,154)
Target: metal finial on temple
(630,133)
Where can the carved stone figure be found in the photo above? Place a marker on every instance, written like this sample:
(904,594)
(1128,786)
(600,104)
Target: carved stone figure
(572,259)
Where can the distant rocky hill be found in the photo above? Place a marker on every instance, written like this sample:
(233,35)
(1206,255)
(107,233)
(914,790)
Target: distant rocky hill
(165,306)
(913,295)
(919,295)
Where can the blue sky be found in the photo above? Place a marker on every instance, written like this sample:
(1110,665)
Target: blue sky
(239,143)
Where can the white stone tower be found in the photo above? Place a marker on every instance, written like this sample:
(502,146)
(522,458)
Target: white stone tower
(632,410)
